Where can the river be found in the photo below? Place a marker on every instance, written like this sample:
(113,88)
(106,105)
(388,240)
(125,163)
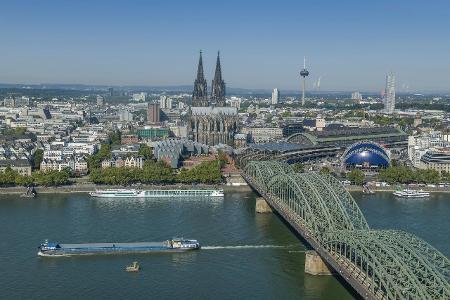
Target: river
(245,255)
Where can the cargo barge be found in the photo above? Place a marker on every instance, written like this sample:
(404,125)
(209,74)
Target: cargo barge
(51,249)
(132,193)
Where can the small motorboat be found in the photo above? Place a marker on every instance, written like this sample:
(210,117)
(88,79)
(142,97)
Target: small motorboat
(133,267)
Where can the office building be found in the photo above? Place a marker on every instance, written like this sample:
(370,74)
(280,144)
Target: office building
(139,96)
(153,113)
(389,95)
(165,102)
(100,101)
(356,96)
(275,96)
(125,116)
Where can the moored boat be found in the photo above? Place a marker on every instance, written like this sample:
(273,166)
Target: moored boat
(173,245)
(408,193)
(30,193)
(175,193)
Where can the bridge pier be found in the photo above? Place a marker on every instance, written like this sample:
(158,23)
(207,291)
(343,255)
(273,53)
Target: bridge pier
(262,206)
(314,264)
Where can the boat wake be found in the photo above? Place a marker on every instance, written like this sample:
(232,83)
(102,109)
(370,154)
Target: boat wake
(245,247)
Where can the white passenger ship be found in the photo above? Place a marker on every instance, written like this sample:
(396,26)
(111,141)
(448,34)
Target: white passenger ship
(407,193)
(131,193)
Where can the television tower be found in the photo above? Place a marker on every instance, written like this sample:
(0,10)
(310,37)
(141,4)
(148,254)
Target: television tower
(304,73)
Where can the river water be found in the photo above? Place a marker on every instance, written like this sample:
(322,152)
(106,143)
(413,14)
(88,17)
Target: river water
(245,255)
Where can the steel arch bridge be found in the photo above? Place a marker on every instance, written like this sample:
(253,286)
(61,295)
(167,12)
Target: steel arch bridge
(378,264)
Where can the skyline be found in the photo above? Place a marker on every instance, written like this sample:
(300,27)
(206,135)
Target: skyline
(349,46)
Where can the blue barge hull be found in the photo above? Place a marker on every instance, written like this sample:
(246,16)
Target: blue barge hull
(175,245)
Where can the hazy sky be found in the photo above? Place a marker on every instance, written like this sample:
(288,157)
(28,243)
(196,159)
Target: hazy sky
(351,45)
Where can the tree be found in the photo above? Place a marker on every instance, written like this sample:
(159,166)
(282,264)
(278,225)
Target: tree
(223,158)
(94,161)
(145,151)
(356,176)
(298,167)
(206,172)
(325,170)
(37,159)
(8,176)
(115,138)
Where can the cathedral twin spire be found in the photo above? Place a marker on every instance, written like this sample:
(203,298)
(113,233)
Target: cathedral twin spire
(200,93)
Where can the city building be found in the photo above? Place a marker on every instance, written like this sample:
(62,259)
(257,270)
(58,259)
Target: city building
(240,140)
(389,94)
(152,132)
(153,113)
(366,155)
(100,101)
(263,134)
(22,101)
(356,96)
(235,102)
(74,164)
(275,96)
(127,139)
(125,115)
(317,124)
(139,97)
(420,144)
(22,166)
(208,124)
(165,102)
(173,151)
(345,136)
(436,159)
(120,162)
(9,102)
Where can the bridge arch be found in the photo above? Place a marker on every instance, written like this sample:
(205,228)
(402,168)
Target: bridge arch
(395,267)
(385,264)
(287,189)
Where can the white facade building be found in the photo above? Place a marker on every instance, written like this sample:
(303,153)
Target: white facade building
(139,96)
(389,95)
(165,102)
(356,96)
(419,145)
(100,100)
(125,116)
(275,96)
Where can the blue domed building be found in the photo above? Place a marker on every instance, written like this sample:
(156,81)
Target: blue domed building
(366,155)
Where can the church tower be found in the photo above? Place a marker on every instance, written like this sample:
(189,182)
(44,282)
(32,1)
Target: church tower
(218,85)
(200,93)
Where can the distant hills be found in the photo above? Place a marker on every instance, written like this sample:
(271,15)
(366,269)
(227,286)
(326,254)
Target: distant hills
(176,88)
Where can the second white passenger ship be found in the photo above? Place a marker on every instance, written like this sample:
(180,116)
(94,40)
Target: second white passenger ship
(131,193)
(407,193)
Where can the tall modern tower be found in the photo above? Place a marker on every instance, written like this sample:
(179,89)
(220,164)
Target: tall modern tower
(389,95)
(275,96)
(218,85)
(200,93)
(304,73)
